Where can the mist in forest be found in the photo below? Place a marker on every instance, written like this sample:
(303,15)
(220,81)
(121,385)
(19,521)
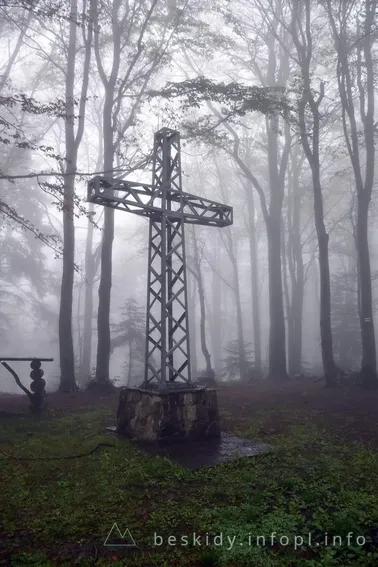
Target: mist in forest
(275,102)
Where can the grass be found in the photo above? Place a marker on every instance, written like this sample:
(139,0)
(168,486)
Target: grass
(59,512)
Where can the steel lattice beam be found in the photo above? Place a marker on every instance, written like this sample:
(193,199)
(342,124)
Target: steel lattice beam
(141,199)
(168,209)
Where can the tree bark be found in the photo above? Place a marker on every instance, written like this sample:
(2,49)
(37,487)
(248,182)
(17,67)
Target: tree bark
(201,295)
(104,296)
(277,347)
(296,268)
(329,366)
(272,215)
(193,326)
(277,333)
(288,299)
(105,287)
(130,364)
(369,358)
(216,320)
(72,141)
(297,309)
(91,267)
(114,131)
(253,254)
(239,311)
(67,359)
(360,72)
(229,245)
(310,141)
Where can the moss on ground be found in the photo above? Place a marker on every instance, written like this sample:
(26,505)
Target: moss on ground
(59,512)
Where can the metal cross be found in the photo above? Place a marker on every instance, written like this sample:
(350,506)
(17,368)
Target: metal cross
(168,208)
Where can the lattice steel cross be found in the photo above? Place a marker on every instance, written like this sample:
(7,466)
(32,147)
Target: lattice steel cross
(168,208)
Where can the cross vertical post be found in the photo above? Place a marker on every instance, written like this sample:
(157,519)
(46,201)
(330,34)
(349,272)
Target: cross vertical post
(167,328)
(167,353)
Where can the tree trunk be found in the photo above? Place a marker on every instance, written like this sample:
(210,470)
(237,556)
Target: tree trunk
(296,268)
(130,362)
(253,252)
(72,142)
(105,287)
(239,320)
(277,350)
(239,311)
(104,294)
(297,314)
(360,71)
(193,326)
(216,320)
(329,366)
(67,359)
(369,359)
(288,300)
(229,245)
(92,263)
(79,354)
(277,172)
(201,295)
(90,272)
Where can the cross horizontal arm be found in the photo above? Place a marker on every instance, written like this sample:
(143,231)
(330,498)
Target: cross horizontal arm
(144,200)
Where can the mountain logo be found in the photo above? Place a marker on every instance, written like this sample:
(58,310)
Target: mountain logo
(118,539)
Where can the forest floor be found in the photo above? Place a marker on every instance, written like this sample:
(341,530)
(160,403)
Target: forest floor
(315,488)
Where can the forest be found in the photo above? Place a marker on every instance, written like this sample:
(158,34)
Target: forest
(275,104)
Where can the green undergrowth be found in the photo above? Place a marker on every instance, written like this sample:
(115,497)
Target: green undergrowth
(311,489)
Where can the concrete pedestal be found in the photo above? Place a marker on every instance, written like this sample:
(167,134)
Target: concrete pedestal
(177,414)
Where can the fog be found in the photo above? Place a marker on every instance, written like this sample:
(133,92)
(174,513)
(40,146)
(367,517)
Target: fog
(275,102)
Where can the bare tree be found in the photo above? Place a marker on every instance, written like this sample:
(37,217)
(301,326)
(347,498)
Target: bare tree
(216,312)
(295,262)
(124,23)
(309,127)
(92,264)
(192,294)
(73,138)
(356,78)
(196,270)
(273,73)
(254,261)
(230,242)
(139,35)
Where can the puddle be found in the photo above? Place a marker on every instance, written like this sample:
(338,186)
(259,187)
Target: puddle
(197,455)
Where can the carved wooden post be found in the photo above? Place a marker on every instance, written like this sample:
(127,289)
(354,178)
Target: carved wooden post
(37,386)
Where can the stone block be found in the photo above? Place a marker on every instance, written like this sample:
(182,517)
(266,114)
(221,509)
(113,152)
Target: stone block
(182,415)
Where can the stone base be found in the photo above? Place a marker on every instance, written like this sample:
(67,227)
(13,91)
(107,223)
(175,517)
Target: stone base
(174,415)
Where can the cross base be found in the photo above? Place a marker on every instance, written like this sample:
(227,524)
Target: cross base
(170,415)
